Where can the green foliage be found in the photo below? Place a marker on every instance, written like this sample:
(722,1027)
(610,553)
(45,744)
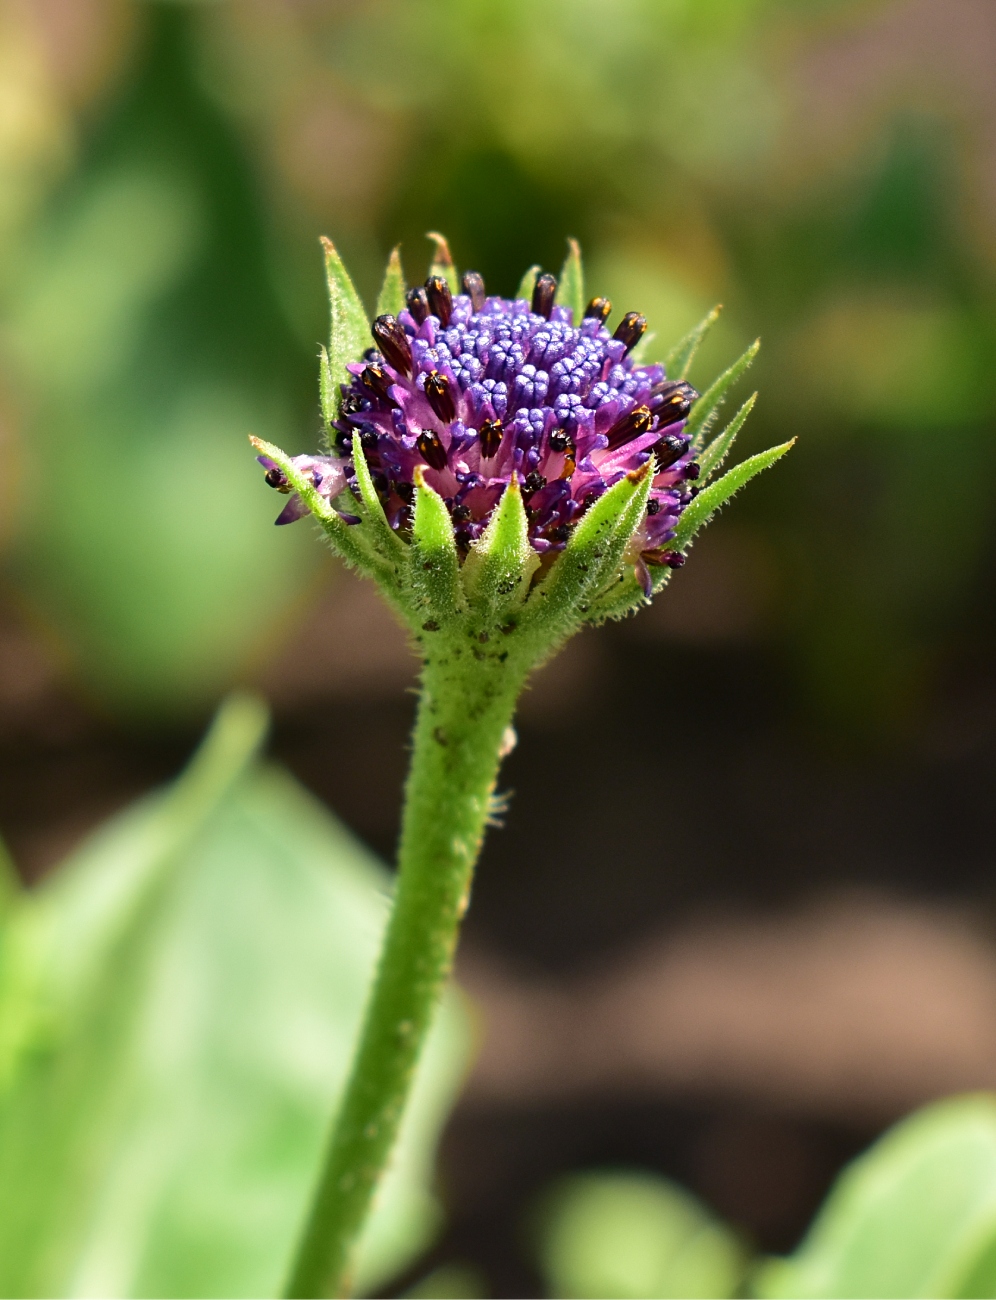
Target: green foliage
(634,1235)
(499,568)
(528,283)
(349,330)
(678,361)
(718,493)
(570,286)
(178,1004)
(442,261)
(712,457)
(705,409)
(914,1216)
(391,298)
(433,563)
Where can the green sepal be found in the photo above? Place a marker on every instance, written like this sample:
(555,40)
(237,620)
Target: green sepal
(679,360)
(570,286)
(349,334)
(346,540)
(590,560)
(433,562)
(497,572)
(527,284)
(442,261)
(717,451)
(383,536)
(705,505)
(391,298)
(328,392)
(623,598)
(704,410)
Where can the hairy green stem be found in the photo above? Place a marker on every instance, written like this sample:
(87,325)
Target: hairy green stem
(466,705)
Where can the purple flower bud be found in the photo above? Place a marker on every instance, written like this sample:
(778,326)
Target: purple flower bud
(477,390)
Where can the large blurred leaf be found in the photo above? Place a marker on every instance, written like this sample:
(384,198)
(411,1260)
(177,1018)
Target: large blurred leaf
(632,1235)
(914,1216)
(178,1007)
(147,342)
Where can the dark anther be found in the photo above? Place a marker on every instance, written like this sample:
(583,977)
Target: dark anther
(376,380)
(417,303)
(692,470)
(461,514)
(631,329)
(599,309)
(368,440)
(673,559)
(371,354)
(673,401)
(431,449)
(392,340)
(440,394)
(344,441)
(351,404)
(440,299)
(463,539)
(670,448)
(406,491)
(561,440)
(275,478)
(473,287)
(533,482)
(653,506)
(589,500)
(630,426)
(490,435)
(543,292)
(560,533)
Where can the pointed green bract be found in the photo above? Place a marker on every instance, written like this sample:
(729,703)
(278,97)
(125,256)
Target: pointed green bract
(390,545)
(590,559)
(347,542)
(639,352)
(679,360)
(713,456)
(327,391)
(433,563)
(442,261)
(350,329)
(527,284)
(391,298)
(717,494)
(704,410)
(570,287)
(497,571)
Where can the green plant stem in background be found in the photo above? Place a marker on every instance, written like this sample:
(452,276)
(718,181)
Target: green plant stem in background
(464,713)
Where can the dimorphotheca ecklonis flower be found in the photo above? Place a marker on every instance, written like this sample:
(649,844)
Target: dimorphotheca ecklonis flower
(468,395)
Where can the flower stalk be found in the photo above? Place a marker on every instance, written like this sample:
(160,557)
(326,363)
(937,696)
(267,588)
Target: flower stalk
(506,471)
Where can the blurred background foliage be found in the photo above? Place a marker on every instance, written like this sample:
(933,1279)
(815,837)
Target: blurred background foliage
(825,169)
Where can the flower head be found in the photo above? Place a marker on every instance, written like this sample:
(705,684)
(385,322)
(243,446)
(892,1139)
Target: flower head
(476,390)
(502,463)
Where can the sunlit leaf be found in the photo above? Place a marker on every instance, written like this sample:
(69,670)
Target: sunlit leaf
(914,1216)
(712,457)
(704,410)
(710,499)
(391,298)
(679,360)
(570,286)
(442,261)
(634,1235)
(179,1005)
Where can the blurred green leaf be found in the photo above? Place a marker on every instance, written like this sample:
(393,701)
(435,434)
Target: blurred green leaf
(178,1005)
(349,331)
(679,360)
(634,1235)
(147,342)
(914,1216)
(527,284)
